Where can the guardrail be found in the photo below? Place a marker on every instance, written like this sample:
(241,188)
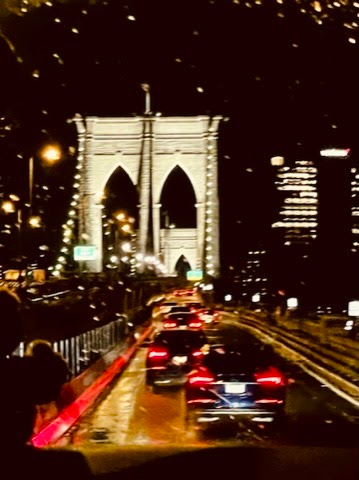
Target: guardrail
(83,350)
(340,371)
(54,295)
(327,330)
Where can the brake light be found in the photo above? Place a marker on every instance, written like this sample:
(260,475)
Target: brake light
(195,324)
(269,377)
(158,353)
(198,354)
(200,376)
(169,324)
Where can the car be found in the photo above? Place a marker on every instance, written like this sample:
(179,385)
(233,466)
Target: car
(236,381)
(209,315)
(184,293)
(194,306)
(182,320)
(165,307)
(179,309)
(173,354)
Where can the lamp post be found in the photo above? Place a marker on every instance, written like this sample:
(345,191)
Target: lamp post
(50,154)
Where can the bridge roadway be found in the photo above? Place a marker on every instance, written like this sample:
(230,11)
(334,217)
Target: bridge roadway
(129,413)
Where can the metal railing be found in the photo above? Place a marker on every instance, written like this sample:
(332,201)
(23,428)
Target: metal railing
(85,349)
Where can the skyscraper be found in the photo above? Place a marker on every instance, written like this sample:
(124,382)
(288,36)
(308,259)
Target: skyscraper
(299,210)
(295,230)
(317,230)
(333,250)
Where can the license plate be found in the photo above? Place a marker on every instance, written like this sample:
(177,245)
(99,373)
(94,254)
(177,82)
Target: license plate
(179,360)
(234,388)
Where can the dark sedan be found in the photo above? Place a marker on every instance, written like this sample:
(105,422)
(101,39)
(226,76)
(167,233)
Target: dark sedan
(173,354)
(236,381)
(182,320)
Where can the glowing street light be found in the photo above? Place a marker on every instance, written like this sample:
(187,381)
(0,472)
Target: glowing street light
(51,153)
(8,207)
(277,161)
(35,222)
(126,247)
(120,216)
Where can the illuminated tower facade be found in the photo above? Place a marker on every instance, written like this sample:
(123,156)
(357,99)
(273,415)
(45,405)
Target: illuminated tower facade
(298,213)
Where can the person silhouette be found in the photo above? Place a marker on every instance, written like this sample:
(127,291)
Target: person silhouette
(20,379)
(53,375)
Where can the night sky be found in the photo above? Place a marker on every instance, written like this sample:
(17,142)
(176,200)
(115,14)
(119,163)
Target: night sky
(283,74)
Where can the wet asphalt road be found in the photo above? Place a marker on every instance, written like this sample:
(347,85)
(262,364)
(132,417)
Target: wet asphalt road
(130,413)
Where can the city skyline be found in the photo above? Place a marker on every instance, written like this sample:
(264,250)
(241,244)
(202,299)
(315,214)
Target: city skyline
(285,83)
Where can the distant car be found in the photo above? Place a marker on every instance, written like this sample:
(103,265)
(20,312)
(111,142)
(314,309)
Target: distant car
(184,293)
(209,315)
(236,383)
(182,320)
(179,309)
(165,307)
(173,354)
(194,306)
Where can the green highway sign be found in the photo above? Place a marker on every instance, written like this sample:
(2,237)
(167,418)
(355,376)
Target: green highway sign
(85,252)
(194,275)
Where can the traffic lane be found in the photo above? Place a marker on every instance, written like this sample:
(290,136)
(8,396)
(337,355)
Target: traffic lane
(314,414)
(131,413)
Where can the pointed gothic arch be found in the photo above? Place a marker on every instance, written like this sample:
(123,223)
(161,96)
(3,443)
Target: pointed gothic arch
(120,193)
(178,200)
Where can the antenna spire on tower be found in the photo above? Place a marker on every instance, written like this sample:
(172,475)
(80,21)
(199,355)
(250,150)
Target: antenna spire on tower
(146,89)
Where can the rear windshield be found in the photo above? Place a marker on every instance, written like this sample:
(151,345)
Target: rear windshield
(180,309)
(183,316)
(239,360)
(179,339)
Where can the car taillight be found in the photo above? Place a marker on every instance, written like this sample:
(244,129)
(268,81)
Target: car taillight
(200,377)
(158,353)
(197,354)
(195,324)
(169,324)
(271,376)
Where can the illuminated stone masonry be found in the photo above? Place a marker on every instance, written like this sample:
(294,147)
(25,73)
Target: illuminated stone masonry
(148,148)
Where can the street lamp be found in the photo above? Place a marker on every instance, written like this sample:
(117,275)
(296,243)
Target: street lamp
(35,221)
(8,207)
(50,154)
